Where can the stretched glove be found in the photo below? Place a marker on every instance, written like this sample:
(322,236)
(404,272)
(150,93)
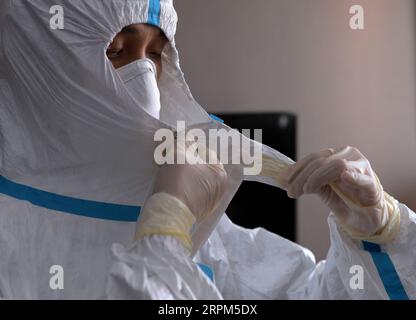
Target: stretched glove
(184,194)
(345,181)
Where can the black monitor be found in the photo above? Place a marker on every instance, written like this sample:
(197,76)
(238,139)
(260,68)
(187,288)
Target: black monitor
(256,204)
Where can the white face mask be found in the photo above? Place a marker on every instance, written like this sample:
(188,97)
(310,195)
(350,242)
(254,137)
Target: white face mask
(140,78)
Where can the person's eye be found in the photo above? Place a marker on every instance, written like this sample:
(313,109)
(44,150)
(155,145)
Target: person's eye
(113,54)
(156,55)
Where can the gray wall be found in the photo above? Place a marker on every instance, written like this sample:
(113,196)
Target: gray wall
(347,87)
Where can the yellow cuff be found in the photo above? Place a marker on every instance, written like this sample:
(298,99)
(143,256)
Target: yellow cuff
(166,215)
(389,231)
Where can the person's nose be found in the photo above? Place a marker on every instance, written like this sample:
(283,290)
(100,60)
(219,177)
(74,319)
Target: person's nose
(140,53)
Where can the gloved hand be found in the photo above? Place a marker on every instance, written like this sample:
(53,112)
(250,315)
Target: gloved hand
(184,194)
(345,181)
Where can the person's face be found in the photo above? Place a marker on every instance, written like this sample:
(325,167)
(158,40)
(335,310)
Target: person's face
(137,41)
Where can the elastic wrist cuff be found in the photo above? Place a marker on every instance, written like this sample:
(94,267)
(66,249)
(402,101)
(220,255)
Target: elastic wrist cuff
(164,214)
(389,231)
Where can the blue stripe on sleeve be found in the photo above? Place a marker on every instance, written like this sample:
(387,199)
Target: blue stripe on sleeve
(386,271)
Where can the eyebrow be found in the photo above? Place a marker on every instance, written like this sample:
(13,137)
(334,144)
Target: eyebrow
(133,30)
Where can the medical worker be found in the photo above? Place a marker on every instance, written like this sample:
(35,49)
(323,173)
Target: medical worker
(85,213)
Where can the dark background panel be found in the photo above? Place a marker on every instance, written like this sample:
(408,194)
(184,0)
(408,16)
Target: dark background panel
(256,204)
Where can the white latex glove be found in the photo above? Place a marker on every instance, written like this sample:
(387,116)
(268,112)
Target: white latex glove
(345,181)
(183,195)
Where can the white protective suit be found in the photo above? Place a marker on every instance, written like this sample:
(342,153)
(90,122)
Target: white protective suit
(76,164)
